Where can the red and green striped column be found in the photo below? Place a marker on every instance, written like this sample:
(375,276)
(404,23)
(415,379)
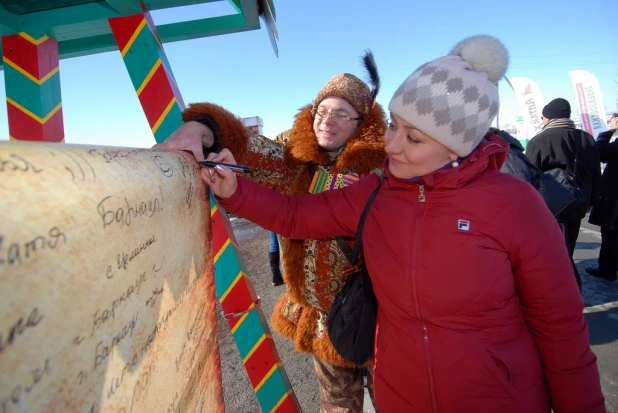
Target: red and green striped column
(150,72)
(244,315)
(32,84)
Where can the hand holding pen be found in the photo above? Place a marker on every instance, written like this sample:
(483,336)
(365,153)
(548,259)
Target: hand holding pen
(221,178)
(233,167)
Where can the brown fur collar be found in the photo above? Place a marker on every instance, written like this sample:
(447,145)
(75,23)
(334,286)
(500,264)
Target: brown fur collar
(235,135)
(363,152)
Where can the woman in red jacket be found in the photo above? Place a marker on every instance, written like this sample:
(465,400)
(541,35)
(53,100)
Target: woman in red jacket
(478,307)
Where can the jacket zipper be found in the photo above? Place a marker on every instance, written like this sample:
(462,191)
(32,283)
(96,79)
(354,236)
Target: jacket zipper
(434,401)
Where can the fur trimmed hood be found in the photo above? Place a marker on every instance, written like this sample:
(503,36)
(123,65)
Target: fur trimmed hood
(234,133)
(363,152)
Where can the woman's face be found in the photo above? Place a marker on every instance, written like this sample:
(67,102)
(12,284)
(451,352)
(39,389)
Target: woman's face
(334,131)
(411,152)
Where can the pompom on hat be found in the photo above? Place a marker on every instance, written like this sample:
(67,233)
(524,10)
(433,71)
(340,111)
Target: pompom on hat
(454,98)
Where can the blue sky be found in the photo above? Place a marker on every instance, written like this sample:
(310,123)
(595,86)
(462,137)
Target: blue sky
(320,38)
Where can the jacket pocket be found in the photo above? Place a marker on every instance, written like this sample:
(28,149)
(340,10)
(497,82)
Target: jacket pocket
(499,370)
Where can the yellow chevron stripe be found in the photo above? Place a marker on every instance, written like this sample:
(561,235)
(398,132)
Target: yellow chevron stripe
(213,210)
(20,70)
(53,112)
(23,109)
(248,356)
(28,75)
(15,139)
(133,37)
(50,74)
(227,242)
(32,115)
(163,115)
(281,400)
(266,377)
(148,77)
(238,277)
(32,39)
(242,319)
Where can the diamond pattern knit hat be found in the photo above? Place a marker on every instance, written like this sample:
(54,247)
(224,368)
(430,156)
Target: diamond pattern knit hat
(454,98)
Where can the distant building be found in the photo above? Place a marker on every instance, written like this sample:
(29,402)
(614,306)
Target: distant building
(254,125)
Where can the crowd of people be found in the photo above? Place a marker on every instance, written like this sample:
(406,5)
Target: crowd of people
(479,308)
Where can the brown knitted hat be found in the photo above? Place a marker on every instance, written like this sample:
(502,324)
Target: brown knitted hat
(353,90)
(349,88)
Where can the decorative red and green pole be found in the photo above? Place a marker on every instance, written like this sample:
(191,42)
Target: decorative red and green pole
(150,72)
(32,83)
(241,308)
(156,88)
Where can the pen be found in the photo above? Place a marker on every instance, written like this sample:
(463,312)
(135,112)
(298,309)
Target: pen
(240,168)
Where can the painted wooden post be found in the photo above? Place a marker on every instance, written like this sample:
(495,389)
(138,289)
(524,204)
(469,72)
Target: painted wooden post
(243,313)
(158,93)
(32,84)
(150,72)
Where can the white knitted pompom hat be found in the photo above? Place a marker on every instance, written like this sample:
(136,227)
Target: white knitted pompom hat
(454,98)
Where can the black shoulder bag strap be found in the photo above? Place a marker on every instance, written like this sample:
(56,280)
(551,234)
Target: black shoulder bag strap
(341,242)
(358,242)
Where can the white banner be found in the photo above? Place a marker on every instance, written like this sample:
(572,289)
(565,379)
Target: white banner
(530,103)
(589,101)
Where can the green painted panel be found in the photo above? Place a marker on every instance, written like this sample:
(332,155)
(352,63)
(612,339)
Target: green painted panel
(167,33)
(141,56)
(39,100)
(166,4)
(171,122)
(227,268)
(213,26)
(30,6)
(125,7)
(272,391)
(45,21)
(248,333)
(249,12)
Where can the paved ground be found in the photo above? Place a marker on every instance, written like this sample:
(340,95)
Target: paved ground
(601,312)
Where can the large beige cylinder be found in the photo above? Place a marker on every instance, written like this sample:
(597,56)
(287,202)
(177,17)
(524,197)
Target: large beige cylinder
(107,298)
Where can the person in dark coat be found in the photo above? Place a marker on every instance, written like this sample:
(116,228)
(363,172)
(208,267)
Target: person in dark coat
(605,210)
(516,162)
(561,145)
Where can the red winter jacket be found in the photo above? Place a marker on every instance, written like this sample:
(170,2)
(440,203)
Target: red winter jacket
(479,310)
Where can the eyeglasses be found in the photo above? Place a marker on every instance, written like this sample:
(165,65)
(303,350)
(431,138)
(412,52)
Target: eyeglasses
(337,117)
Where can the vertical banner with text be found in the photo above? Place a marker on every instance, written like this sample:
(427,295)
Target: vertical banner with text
(530,103)
(589,101)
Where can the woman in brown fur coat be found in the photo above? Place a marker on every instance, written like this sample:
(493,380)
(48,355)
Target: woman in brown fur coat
(336,139)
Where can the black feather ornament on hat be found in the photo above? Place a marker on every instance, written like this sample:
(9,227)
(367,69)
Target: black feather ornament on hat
(374,78)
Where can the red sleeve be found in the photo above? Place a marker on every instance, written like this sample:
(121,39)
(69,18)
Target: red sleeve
(329,214)
(553,306)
